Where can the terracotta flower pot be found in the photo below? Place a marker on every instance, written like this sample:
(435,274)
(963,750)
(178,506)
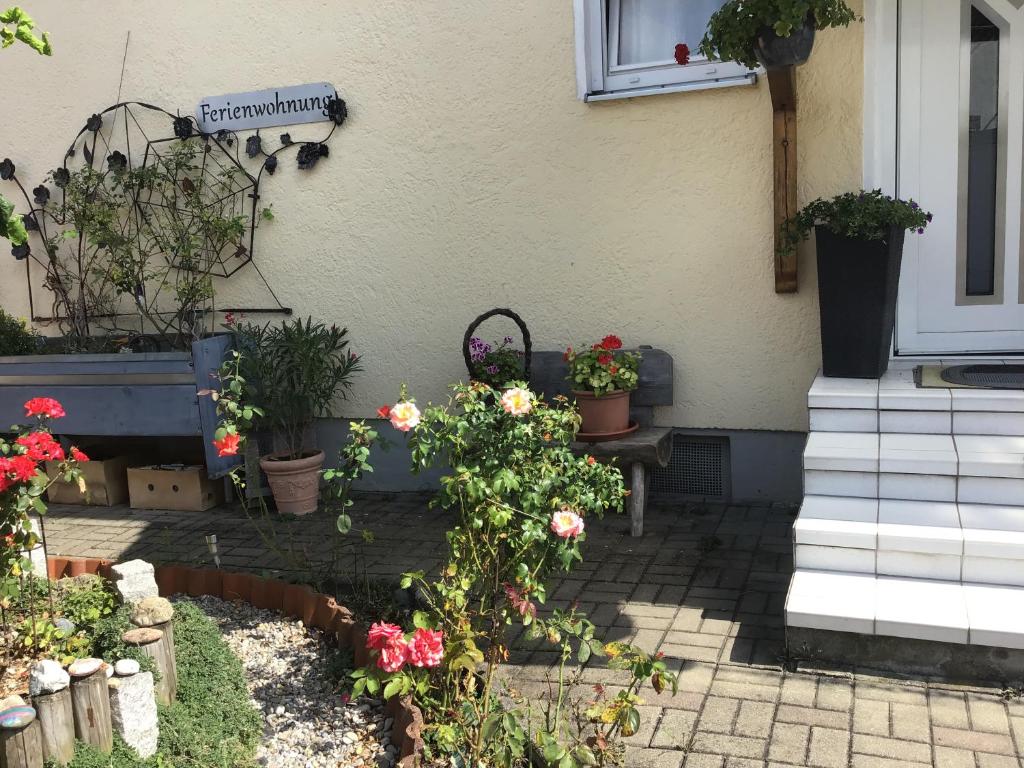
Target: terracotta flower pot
(294,602)
(295,483)
(604,415)
(237,586)
(170,579)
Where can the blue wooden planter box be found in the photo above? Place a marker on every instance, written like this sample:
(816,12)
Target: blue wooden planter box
(151,394)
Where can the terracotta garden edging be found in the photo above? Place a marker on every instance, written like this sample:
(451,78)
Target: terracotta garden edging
(316,610)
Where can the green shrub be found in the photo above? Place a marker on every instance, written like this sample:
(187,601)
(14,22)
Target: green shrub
(16,337)
(212,724)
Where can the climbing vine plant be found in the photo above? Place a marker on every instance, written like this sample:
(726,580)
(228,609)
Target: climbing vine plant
(17,26)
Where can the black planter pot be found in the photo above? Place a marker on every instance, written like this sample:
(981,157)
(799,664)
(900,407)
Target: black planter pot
(857,285)
(776,52)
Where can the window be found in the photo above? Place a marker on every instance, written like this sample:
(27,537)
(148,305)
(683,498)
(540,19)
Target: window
(627,48)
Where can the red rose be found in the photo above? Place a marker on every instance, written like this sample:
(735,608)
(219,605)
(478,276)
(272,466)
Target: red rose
(40,446)
(682,54)
(604,359)
(227,445)
(78,455)
(568,353)
(611,341)
(613,370)
(44,406)
(384,412)
(22,468)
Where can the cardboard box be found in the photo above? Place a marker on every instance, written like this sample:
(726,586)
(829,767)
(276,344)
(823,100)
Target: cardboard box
(173,486)
(106,483)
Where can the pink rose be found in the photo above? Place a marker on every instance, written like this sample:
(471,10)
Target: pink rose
(405,416)
(393,655)
(426,648)
(381,634)
(566,523)
(517,401)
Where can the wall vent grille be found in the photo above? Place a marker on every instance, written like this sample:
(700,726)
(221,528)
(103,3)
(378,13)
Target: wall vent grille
(699,466)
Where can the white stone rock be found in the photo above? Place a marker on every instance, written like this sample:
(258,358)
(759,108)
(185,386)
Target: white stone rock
(126,667)
(84,667)
(133,712)
(47,677)
(134,581)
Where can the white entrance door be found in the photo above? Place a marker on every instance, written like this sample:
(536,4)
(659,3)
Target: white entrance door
(960,153)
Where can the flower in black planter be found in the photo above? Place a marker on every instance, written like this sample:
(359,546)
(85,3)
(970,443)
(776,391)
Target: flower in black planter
(94,123)
(41,194)
(337,110)
(182,127)
(270,164)
(225,136)
(117,161)
(286,139)
(6,169)
(253,145)
(61,178)
(309,153)
(29,222)
(21,252)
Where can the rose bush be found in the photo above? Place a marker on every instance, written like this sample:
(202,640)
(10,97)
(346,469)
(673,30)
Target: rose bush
(520,498)
(23,482)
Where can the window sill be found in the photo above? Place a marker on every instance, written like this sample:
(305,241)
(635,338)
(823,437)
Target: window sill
(631,93)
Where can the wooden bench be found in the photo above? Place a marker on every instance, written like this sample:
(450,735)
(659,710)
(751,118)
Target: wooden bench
(649,446)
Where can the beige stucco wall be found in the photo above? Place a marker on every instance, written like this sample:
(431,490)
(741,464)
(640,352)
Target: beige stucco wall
(469,176)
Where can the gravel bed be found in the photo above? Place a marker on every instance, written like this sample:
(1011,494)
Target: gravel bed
(307,724)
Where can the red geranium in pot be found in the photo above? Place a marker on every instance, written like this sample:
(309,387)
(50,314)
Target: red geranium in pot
(601,379)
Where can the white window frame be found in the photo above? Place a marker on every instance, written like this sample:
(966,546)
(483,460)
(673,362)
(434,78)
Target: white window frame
(597,80)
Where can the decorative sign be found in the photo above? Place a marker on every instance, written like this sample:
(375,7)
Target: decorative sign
(290,105)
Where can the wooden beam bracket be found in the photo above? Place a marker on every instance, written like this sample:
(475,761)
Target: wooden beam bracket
(782,84)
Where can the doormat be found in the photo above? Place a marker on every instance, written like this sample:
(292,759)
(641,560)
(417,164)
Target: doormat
(980,376)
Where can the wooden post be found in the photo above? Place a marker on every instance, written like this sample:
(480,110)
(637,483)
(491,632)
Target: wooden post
(637,497)
(90,705)
(21,748)
(158,643)
(782,84)
(58,725)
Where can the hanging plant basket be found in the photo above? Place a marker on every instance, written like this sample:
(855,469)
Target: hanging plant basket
(477,369)
(774,52)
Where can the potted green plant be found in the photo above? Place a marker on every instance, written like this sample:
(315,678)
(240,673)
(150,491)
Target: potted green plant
(601,379)
(772,33)
(859,239)
(296,370)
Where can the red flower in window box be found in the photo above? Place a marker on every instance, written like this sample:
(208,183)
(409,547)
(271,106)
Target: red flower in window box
(682,54)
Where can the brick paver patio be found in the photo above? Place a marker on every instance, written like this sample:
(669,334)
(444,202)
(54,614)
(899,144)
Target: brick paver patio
(705,585)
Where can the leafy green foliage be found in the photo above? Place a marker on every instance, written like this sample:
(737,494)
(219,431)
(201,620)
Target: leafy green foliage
(16,336)
(23,31)
(212,724)
(11,225)
(860,215)
(296,370)
(733,29)
(354,462)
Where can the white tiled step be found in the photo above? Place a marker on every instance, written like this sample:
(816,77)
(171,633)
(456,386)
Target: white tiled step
(944,611)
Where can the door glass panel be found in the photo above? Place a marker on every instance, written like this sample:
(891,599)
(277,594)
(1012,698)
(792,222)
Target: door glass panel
(983,156)
(649,29)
